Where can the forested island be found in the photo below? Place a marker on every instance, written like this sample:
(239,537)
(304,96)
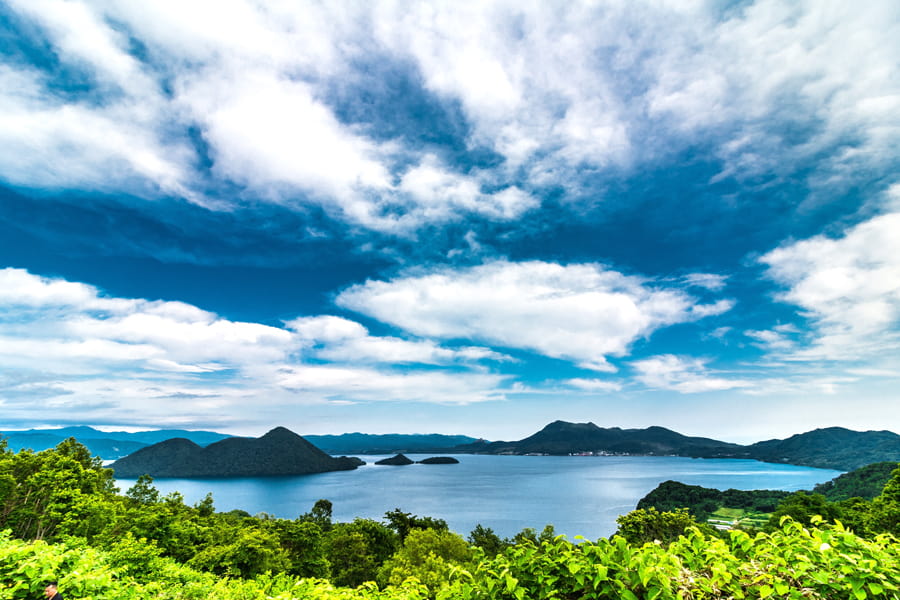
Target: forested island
(63,519)
(278,452)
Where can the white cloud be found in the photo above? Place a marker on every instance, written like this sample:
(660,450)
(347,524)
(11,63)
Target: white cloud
(681,374)
(781,338)
(439,192)
(594,385)
(558,91)
(103,358)
(269,133)
(363,384)
(341,340)
(709,281)
(848,288)
(581,312)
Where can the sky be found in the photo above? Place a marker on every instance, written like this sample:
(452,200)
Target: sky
(450,217)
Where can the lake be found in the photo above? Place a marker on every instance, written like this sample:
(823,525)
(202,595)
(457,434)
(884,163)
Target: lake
(578,495)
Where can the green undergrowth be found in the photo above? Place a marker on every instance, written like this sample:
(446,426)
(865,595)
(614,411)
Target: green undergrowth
(794,562)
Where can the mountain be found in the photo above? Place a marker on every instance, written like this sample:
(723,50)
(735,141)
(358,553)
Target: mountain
(830,448)
(279,452)
(108,445)
(111,445)
(392,443)
(561,437)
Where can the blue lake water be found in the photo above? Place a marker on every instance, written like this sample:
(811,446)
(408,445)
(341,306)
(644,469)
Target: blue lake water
(578,495)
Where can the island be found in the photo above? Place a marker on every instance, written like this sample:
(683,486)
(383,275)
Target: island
(278,452)
(439,460)
(398,460)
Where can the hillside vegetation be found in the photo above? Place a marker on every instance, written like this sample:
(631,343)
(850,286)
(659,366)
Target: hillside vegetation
(64,520)
(829,448)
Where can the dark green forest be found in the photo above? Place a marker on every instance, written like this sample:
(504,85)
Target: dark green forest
(63,518)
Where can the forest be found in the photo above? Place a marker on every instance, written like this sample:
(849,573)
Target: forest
(62,519)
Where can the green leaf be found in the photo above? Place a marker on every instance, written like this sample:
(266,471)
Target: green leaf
(765,591)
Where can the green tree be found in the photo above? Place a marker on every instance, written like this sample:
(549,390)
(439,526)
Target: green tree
(357,550)
(320,514)
(884,515)
(143,491)
(403,522)
(251,553)
(802,507)
(485,538)
(428,555)
(650,525)
(304,542)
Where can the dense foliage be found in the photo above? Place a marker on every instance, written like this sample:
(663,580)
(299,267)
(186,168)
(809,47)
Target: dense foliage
(63,520)
(702,502)
(865,482)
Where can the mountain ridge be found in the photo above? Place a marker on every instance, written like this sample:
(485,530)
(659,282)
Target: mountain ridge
(278,452)
(830,447)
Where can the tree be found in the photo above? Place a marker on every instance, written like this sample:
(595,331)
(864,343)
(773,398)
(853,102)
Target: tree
(403,523)
(251,553)
(320,514)
(487,540)
(649,525)
(802,507)
(428,555)
(304,543)
(884,516)
(357,550)
(143,491)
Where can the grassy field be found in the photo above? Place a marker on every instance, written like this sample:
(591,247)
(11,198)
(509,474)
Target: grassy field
(728,518)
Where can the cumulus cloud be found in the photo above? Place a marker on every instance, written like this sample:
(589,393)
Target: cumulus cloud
(356,384)
(847,287)
(76,349)
(580,312)
(780,338)
(559,93)
(593,385)
(682,374)
(342,340)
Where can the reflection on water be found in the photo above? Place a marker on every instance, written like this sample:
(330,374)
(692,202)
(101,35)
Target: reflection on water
(578,495)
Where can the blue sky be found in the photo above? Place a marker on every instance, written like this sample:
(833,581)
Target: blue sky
(468,217)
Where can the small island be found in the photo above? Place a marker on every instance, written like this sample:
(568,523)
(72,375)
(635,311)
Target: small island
(439,460)
(398,460)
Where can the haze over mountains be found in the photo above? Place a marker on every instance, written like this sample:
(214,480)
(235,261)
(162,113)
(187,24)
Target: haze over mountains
(833,447)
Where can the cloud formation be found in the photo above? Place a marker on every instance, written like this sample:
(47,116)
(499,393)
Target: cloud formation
(557,94)
(847,287)
(71,346)
(682,374)
(582,312)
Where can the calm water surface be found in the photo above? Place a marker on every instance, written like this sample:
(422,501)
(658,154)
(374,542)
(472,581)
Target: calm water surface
(578,495)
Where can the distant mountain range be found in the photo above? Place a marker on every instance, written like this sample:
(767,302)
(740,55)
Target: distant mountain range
(108,445)
(832,448)
(279,452)
(112,445)
(392,443)
(561,437)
